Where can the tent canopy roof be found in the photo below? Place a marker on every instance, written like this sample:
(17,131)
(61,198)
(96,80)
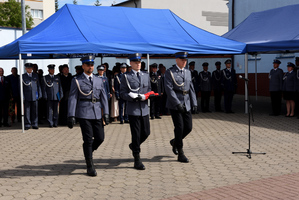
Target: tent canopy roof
(270,31)
(77,29)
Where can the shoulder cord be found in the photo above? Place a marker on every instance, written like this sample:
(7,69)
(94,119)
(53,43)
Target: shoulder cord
(226,76)
(27,84)
(217,79)
(285,76)
(175,81)
(81,90)
(154,80)
(47,83)
(270,74)
(117,79)
(134,90)
(204,79)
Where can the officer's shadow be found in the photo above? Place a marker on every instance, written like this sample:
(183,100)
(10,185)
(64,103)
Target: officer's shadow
(69,167)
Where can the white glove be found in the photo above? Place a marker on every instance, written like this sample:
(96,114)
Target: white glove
(142,97)
(133,95)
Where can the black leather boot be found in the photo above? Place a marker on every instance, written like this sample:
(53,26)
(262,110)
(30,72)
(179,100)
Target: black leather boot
(90,168)
(182,157)
(174,149)
(137,163)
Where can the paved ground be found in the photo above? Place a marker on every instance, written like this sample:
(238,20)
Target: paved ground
(49,164)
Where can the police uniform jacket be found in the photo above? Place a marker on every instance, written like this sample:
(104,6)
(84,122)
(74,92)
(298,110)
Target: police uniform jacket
(106,85)
(132,84)
(177,94)
(52,89)
(117,81)
(156,83)
(5,89)
(205,81)
(297,80)
(31,87)
(275,77)
(229,80)
(80,105)
(216,80)
(289,82)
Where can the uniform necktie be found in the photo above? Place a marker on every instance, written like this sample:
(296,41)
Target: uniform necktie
(1,80)
(90,80)
(138,75)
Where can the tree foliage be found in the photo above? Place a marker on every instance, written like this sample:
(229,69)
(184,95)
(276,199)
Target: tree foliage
(56,5)
(11,14)
(97,3)
(75,2)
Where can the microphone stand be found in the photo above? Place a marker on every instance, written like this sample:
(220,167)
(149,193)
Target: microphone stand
(249,106)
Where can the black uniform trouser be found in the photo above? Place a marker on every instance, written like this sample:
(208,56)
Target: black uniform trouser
(63,109)
(31,113)
(205,100)
(93,135)
(276,102)
(297,103)
(52,112)
(217,99)
(228,100)
(155,106)
(182,126)
(4,111)
(122,111)
(42,109)
(140,130)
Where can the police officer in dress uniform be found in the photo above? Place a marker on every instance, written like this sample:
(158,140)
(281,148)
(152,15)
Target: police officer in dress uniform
(156,85)
(32,92)
(134,86)
(52,93)
(229,84)
(101,71)
(121,102)
(87,98)
(297,87)
(205,87)
(195,80)
(180,97)
(275,87)
(289,89)
(216,82)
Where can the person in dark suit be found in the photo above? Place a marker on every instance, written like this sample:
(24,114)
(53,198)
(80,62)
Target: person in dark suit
(122,104)
(195,79)
(87,98)
(297,88)
(15,89)
(205,87)
(229,84)
(79,70)
(32,93)
(156,85)
(5,95)
(66,80)
(275,87)
(181,99)
(133,87)
(216,82)
(52,93)
(289,89)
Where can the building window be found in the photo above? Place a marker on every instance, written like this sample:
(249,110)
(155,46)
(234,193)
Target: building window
(37,13)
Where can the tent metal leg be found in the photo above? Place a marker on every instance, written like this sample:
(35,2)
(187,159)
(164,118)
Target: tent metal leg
(21,88)
(246,89)
(256,77)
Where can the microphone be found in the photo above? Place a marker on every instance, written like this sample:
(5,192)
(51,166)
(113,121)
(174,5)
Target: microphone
(241,77)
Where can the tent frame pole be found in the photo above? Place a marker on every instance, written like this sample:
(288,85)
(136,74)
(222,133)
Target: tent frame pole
(246,88)
(148,60)
(21,91)
(256,77)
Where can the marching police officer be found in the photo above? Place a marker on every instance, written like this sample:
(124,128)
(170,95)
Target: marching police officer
(32,92)
(134,86)
(275,87)
(52,93)
(194,75)
(121,102)
(87,97)
(216,82)
(205,87)
(180,97)
(229,84)
(156,85)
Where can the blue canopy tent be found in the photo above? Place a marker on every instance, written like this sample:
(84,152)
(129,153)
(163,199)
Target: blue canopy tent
(78,29)
(270,31)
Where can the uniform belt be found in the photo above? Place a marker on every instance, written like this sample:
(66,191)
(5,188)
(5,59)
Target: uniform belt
(184,92)
(91,100)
